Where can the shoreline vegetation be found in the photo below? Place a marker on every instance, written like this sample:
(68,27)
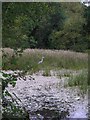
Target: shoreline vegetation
(72,66)
(53,59)
(68,62)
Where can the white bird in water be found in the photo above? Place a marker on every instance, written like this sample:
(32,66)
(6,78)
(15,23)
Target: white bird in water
(77,98)
(41,60)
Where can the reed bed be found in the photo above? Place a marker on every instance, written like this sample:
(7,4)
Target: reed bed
(80,79)
(54,59)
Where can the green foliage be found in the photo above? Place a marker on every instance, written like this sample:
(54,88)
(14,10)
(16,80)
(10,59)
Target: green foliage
(25,24)
(8,79)
(81,80)
(11,108)
(71,36)
(45,25)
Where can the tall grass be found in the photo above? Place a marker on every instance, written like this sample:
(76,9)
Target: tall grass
(81,80)
(54,59)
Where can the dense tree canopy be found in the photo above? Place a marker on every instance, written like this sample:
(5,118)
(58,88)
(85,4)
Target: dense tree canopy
(46,25)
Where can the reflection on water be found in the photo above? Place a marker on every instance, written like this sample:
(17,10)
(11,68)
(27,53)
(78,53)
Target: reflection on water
(46,114)
(44,100)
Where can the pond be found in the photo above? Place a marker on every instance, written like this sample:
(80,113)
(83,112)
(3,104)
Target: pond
(46,98)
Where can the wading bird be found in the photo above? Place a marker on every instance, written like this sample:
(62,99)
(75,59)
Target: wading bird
(41,60)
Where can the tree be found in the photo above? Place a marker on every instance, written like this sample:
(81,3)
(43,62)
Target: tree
(71,36)
(45,25)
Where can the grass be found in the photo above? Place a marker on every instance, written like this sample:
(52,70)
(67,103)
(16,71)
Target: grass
(46,72)
(54,59)
(80,79)
(65,73)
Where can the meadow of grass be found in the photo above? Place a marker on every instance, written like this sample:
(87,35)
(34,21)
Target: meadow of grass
(54,59)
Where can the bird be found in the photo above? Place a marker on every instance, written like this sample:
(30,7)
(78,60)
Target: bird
(86,2)
(41,60)
(77,98)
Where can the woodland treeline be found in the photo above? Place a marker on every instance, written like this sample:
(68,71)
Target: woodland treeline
(46,25)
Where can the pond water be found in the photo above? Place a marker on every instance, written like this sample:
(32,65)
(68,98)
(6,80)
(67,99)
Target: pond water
(46,98)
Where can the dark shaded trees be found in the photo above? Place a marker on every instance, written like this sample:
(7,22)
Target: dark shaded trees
(45,25)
